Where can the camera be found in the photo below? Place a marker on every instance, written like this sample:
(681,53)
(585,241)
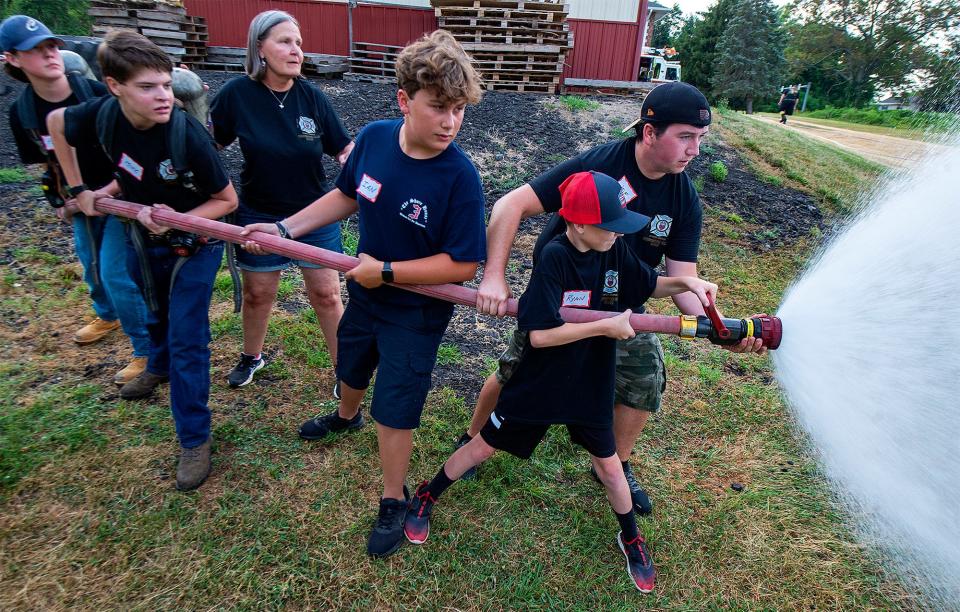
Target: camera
(184,244)
(50,184)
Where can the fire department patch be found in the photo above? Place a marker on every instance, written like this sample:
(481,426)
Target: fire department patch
(611,282)
(660,226)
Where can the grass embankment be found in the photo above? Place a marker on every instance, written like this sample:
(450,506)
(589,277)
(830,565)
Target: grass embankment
(91,519)
(837,178)
(898,119)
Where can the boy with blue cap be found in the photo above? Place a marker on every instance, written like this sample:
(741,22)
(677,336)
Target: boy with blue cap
(566,375)
(32,54)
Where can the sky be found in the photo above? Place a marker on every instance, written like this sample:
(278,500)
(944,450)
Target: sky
(696,6)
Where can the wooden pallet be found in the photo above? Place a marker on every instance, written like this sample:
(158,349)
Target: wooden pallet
(368,78)
(518,5)
(167,25)
(499,13)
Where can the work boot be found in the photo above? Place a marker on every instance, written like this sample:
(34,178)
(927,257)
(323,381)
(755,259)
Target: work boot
(94,331)
(142,386)
(134,368)
(194,466)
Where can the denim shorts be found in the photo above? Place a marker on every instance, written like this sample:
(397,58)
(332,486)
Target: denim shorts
(326,237)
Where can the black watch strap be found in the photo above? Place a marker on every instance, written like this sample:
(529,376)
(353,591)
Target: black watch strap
(284,232)
(75,191)
(387,273)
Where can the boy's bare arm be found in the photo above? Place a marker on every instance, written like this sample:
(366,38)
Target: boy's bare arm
(617,327)
(67,156)
(434,270)
(505,219)
(673,285)
(221,203)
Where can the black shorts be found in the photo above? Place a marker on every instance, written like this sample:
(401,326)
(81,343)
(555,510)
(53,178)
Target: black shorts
(520,439)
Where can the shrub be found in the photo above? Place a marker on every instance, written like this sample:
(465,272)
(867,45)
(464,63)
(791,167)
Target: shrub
(576,103)
(718,171)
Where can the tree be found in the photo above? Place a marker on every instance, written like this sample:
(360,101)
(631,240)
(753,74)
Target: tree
(61,16)
(666,28)
(750,60)
(865,45)
(697,43)
(942,92)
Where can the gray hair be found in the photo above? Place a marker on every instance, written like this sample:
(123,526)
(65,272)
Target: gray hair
(259,28)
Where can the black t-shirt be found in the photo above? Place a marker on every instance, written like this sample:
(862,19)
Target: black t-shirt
(94,166)
(282,147)
(573,383)
(671,202)
(789,101)
(141,161)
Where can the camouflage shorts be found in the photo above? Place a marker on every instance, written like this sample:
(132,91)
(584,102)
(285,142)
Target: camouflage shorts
(641,376)
(640,379)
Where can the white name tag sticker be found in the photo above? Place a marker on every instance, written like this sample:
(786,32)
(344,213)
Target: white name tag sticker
(47,142)
(133,168)
(369,188)
(627,192)
(576,299)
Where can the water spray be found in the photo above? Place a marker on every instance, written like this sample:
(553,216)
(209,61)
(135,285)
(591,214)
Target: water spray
(712,327)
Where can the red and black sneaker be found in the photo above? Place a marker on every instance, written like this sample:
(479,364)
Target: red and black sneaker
(639,563)
(417,524)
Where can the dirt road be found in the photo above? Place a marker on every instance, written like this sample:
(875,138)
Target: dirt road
(890,151)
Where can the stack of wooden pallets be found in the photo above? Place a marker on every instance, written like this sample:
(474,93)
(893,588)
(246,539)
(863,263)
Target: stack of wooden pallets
(373,63)
(517,45)
(182,36)
(230,59)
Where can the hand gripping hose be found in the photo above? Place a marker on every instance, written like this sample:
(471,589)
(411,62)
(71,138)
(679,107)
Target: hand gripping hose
(768,328)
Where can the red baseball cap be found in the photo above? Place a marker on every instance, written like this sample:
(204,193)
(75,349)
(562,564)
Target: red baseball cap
(593,198)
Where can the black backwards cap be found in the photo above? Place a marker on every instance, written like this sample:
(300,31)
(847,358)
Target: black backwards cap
(674,103)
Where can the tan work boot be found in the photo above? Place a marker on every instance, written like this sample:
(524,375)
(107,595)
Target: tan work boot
(142,386)
(194,466)
(95,330)
(134,368)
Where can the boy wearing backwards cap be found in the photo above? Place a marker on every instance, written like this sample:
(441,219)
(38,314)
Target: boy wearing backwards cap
(567,372)
(650,169)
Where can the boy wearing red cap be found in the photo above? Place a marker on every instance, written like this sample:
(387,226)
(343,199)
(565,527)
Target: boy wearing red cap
(588,266)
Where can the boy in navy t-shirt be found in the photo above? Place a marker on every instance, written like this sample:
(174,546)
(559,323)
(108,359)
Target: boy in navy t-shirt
(566,375)
(421,209)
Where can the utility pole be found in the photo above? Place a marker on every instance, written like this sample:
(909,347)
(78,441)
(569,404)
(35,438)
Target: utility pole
(806,93)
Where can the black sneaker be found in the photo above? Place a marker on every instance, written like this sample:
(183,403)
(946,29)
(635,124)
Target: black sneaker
(639,562)
(324,425)
(417,524)
(387,534)
(470,474)
(641,501)
(242,373)
(336,389)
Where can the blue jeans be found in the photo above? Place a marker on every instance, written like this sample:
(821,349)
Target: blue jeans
(180,332)
(116,296)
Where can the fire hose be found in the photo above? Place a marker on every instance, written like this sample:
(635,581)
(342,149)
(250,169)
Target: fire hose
(717,330)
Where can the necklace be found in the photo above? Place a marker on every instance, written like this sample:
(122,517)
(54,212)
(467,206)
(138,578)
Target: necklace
(279,100)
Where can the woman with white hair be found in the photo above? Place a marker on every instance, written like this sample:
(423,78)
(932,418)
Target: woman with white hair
(284,125)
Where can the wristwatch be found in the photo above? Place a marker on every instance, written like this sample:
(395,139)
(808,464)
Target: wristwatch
(387,273)
(75,191)
(284,232)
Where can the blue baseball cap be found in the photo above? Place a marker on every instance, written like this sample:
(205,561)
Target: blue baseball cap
(22,33)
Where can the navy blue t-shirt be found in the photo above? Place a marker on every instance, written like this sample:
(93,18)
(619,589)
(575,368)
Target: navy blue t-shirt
(141,162)
(282,147)
(411,209)
(671,202)
(94,167)
(573,383)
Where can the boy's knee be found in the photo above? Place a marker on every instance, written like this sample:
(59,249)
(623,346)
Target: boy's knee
(324,298)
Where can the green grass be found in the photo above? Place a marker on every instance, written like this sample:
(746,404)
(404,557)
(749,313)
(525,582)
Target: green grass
(896,119)
(837,178)
(13,175)
(91,519)
(576,103)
